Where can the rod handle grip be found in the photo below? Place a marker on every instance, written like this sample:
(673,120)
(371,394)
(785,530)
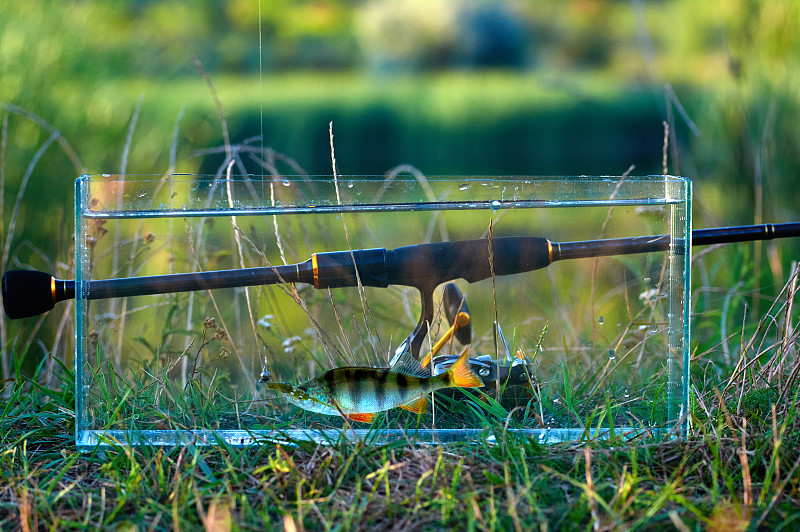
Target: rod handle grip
(27,293)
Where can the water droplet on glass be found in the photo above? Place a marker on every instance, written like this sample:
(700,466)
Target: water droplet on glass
(464,187)
(601,320)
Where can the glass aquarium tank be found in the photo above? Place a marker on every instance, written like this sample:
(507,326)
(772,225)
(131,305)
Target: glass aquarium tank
(433,309)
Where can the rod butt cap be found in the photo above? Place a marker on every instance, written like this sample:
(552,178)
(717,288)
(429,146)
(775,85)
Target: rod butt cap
(27,293)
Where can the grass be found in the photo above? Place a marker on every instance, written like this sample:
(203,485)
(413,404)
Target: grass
(737,467)
(735,470)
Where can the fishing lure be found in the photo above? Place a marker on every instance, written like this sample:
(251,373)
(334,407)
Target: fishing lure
(360,392)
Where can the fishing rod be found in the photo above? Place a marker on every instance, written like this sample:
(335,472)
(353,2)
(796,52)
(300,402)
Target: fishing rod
(421,266)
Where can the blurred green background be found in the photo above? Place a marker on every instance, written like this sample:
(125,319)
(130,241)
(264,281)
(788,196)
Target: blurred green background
(561,87)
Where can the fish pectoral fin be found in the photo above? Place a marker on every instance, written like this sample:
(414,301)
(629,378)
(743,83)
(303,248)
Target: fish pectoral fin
(418,405)
(284,387)
(365,417)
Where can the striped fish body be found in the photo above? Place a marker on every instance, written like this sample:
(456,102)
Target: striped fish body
(359,392)
(369,390)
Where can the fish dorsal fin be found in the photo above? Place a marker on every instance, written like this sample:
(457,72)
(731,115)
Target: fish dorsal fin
(408,365)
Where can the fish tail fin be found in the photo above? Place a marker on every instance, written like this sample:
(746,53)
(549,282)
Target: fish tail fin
(461,375)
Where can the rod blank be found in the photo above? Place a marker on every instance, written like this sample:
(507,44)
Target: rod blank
(423,266)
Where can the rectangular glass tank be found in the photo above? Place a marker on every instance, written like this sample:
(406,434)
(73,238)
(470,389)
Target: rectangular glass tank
(571,337)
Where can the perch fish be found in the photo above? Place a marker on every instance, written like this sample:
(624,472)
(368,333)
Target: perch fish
(359,392)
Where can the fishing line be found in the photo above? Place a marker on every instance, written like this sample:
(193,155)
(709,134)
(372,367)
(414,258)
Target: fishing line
(261,86)
(263,152)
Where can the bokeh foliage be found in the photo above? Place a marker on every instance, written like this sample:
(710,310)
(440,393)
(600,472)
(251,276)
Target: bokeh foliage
(733,65)
(452,87)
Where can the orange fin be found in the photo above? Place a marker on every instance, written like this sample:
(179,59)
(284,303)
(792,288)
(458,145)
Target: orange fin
(418,405)
(366,417)
(461,374)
